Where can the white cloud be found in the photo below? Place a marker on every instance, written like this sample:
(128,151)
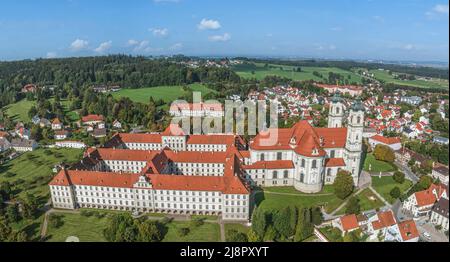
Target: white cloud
(79,45)
(409,47)
(159,32)
(132,42)
(269,35)
(378,18)
(52,54)
(220,38)
(103,47)
(438,10)
(176,47)
(209,24)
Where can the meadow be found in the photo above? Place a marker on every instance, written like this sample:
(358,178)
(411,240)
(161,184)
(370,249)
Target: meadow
(19,111)
(259,71)
(384,76)
(166,93)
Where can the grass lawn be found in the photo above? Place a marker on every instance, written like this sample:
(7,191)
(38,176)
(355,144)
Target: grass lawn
(19,110)
(208,232)
(259,72)
(385,184)
(237,227)
(332,234)
(432,83)
(87,229)
(373,165)
(327,189)
(31,172)
(368,200)
(166,93)
(272,201)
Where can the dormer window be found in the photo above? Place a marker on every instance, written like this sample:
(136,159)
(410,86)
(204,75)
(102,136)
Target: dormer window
(293,141)
(315,152)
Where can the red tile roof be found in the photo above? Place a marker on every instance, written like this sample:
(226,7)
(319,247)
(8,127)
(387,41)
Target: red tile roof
(385,219)
(56,121)
(334,162)
(92,118)
(386,140)
(349,222)
(278,164)
(408,230)
(431,195)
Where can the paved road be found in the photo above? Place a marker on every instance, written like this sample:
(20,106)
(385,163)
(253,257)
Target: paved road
(408,173)
(436,235)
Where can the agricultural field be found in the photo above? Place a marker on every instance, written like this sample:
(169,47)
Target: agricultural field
(259,71)
(166,93)
(384,75)
(32,171)
(385,184)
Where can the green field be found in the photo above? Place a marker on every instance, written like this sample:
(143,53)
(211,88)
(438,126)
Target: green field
(31,172)
(384,76)
(271,201)
(166,93)
(208,232)
(376,165)
(87,229)
(19,110)
(385,184)
(260,72)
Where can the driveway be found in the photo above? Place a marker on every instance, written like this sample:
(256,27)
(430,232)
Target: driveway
(408,173)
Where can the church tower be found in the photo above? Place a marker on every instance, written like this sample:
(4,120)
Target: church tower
(336,114)
(353,145)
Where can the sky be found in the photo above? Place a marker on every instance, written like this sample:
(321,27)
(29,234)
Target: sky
(407,30)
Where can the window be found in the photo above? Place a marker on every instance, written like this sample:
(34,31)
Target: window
(279,156)
(358,120)
(262,157)
(286,174)
(338,110)
(303,162)
(314,164)
(302,178)
(332,154)
(275,174)
(329,172)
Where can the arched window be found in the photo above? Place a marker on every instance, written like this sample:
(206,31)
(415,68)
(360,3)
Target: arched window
(262,157)
(329,172)
(303,162)
(275,174)
(332,154)
(314,164)
(279,156)
(302,178)
(286,174)
(358,120)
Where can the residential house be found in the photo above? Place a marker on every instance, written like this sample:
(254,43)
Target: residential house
(439,214)
(117,125)
(440,172)
(420,203)
(56,124)
(70,144)
(392,142)
(61,134)
(23,145)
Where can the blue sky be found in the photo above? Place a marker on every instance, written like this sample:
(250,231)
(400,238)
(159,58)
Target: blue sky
(350,29)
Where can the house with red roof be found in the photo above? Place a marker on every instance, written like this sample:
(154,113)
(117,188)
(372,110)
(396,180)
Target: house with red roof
(347,223)
(393,142)
(420,203)
(92,120)
(56,124)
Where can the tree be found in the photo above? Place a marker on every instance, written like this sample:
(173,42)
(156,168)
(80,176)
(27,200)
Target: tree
(5,190)
(343,184)
(259,222)
(399,177)
(196,222)
(5,229)
(425,182)
(271,234)
(30,206)
(304,226)
(150,231)
(183,231)
(55,220)
(384,153)
(395,192)
(316,216)
(236,236)
(12,212)
(252,236)
(353,206)
(282,222)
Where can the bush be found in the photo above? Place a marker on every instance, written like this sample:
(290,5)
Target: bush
(399,177)
(395,192)
(353,206)
(86,213)
(196,222)
(236,236)
(55,220)
(184,231)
